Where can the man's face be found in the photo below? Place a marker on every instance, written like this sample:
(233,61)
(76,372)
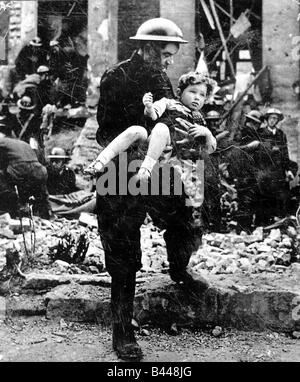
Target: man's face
(167,53)
(194,96)
(213,124)
(44,76)
(272,120)
(58,164)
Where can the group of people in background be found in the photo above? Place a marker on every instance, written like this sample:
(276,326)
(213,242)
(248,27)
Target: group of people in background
(257,163)
(43,78)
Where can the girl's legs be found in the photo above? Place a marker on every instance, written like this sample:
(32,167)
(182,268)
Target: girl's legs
(159,139)
(118,145)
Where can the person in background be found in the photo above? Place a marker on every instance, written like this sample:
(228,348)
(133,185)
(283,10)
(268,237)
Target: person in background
(30,57)
(276,139)
(20,167)
(61,179)
(249,133)
(26,125)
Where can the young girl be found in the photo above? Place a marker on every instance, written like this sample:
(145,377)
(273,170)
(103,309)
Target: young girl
(181,126)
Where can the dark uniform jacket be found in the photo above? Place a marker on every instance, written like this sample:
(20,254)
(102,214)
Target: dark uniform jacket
(61,181)
(29,59)
(15,151)
(121,92)
(19,161)
(19,167)
(71,68)
(277,143)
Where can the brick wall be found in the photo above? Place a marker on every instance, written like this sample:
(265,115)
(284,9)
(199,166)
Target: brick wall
(279,26)
(98,35)
(183,14)
(131,14)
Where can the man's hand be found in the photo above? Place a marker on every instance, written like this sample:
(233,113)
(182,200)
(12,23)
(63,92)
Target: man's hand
(199,131)
(49,109)
(254,144)
(148,100)
(194,130)
(251,146)
(187,125)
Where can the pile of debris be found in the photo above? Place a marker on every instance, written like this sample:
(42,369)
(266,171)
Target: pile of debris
(262,251)
(59,246)
(74,247)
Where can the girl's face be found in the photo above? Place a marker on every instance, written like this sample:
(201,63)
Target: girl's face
(194,96)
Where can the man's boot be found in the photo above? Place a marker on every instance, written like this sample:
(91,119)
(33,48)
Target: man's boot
(189,279)
(124,343)
(122,296)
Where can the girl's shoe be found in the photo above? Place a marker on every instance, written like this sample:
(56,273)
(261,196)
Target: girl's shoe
(143,174)
(94,168)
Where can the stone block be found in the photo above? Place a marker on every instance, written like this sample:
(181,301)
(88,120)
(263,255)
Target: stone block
(88,220)
(79,303)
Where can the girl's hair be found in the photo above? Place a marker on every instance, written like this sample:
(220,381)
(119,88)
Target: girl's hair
(193,78)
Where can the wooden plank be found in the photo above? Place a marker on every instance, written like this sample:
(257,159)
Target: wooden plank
(241,96)
(208,14)
(215,14)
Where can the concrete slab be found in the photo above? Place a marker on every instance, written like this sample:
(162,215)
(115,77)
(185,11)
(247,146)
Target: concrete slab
(249,302)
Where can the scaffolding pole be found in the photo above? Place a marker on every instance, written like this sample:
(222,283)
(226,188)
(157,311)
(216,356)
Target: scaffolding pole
(214,11)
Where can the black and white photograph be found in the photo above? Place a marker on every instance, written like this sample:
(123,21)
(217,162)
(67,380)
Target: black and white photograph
(150,184)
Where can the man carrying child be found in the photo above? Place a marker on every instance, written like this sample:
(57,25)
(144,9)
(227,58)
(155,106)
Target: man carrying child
(120,217)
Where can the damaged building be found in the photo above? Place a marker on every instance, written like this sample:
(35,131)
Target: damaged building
(249,33)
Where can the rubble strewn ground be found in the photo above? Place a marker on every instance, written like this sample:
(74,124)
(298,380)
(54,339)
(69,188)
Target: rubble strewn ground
(220,253)
(254,284)
(35,340)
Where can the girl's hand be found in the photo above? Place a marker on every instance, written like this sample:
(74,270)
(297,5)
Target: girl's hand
(148,100)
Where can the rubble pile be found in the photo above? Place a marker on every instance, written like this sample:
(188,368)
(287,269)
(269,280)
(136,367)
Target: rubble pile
(259,252)
(74,247)
(61,246)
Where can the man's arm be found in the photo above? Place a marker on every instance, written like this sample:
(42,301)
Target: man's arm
(109,114)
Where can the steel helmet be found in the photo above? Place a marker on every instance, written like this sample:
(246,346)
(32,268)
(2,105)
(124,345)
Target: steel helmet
(274,111)
(254,115)
(213,114)
(42,69)
(26,103)
(36,41)
(159,29)
(58,153)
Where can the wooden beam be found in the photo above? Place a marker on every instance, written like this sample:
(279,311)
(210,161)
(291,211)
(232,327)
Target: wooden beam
(208,14)
(241,96)
(214,11)
(71,9)
(225,12)
(231,13)
(219,51)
